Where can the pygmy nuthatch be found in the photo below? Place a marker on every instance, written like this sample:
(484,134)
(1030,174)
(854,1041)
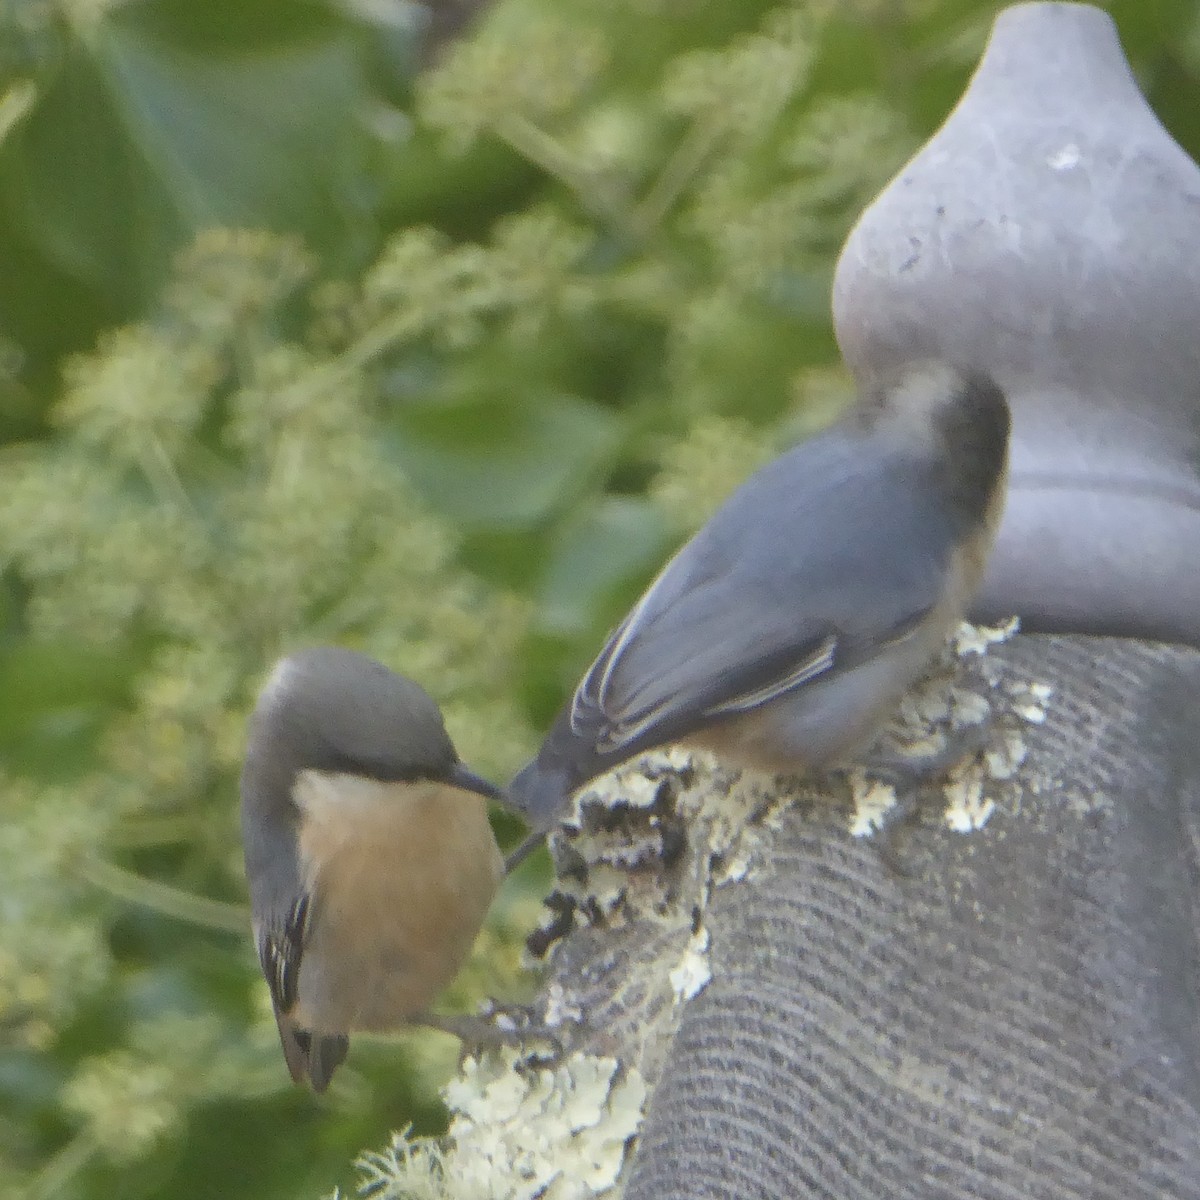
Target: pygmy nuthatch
(369,855)
(785,632)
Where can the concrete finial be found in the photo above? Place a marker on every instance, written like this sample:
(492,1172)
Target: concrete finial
(1049,232)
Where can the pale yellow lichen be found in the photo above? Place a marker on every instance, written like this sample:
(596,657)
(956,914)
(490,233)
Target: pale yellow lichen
(967,808)
(691,977)
(1004,756)
(873,800)
(518,1131)
(975,639)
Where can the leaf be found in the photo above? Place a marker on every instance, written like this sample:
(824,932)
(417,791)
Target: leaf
(615,545)
(490,469)
(143,139)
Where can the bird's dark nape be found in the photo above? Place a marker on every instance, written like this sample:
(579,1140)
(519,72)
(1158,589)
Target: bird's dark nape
(976,428)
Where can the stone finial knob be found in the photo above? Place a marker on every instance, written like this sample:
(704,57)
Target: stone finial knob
(1049,233)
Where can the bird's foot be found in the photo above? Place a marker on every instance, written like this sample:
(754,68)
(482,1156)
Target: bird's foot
(909,771)
(907,774)
(512,1025)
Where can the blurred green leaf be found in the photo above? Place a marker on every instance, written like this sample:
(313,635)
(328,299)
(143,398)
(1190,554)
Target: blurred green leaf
(143,137)
(544,305)
(489,467)
(231,140)
(595,559)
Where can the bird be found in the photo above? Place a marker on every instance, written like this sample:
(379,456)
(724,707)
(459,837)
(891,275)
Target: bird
(369,857)
(784,633)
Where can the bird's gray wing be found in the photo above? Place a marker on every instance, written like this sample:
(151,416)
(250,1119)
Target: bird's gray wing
(737,662)
(771,595)
(281,945)
(281,940)
(283,906)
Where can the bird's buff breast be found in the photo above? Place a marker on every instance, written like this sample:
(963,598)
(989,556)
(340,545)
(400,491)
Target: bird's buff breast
(402,875)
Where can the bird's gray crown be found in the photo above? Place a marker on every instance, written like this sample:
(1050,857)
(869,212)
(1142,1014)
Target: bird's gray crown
(335,710)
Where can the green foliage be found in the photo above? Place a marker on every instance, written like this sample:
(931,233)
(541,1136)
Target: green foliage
(217,491)
(241,417)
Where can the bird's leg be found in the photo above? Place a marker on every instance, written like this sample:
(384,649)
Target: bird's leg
(915,770)
(907,774)
(513,1026)
(523,851)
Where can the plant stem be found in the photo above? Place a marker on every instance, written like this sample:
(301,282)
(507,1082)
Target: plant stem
(170,901)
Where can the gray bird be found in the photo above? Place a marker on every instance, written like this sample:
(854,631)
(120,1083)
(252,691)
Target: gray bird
(784,633)
(369,856)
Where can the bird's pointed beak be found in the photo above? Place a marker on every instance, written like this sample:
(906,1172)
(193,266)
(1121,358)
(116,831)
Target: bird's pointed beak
(463,777)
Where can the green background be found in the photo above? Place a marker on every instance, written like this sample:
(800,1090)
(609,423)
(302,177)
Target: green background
(300,343)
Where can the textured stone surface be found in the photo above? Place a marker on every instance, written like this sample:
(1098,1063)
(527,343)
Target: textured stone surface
(1015,1015)
(1040,235)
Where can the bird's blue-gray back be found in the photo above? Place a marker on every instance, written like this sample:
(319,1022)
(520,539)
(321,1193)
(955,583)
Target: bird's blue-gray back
(796,580)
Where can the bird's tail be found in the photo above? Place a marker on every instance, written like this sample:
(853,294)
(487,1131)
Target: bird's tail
(308,1055)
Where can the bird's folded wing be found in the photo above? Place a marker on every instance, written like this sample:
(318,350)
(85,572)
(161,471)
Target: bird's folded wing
(280,950)
(680,674)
